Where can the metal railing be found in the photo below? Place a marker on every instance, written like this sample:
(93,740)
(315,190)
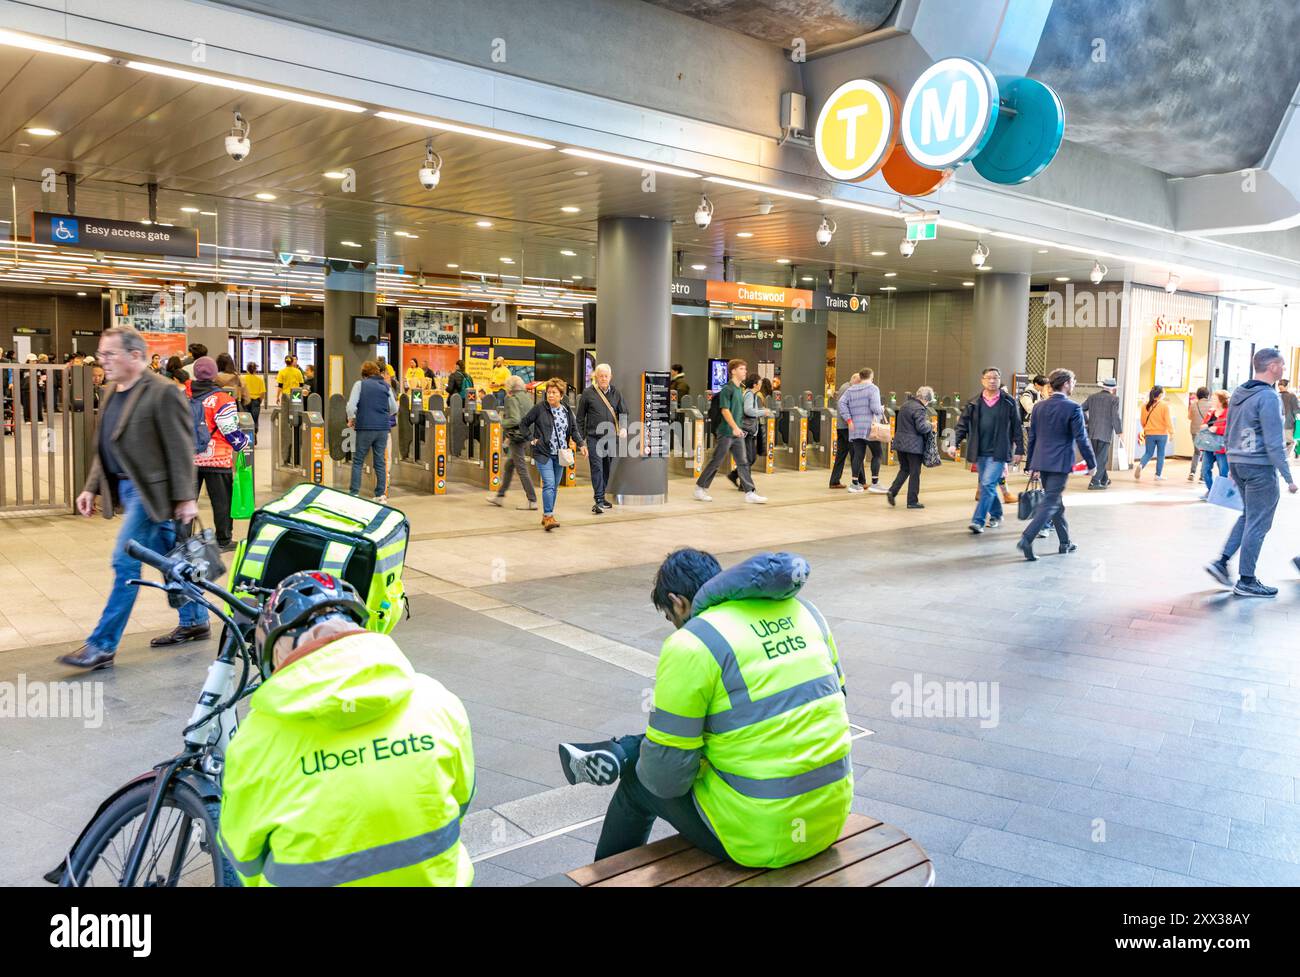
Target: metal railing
(38,402)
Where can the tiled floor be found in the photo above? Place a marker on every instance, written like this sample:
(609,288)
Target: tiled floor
(1147,728)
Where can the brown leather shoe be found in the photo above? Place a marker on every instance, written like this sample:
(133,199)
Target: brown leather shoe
(180,635)
(88,657)
(1007,497)
(549,523)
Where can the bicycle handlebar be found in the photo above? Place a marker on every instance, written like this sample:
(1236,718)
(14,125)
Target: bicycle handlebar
(180,572)
(164,565)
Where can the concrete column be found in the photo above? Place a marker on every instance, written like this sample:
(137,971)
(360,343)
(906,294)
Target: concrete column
(690,348)
(1001,327)
(634,259)
(803,354)
(347,293)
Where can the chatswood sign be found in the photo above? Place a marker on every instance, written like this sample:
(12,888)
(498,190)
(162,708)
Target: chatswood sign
(957,112)
(699,291)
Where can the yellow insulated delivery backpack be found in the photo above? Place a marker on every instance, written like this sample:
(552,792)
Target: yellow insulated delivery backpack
(312,527)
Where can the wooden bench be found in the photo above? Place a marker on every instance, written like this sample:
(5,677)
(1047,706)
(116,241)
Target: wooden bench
(866,853)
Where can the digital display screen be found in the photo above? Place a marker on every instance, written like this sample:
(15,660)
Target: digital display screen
(718,375)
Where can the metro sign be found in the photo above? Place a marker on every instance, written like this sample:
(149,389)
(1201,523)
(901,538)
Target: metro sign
(950,113)
(856,129)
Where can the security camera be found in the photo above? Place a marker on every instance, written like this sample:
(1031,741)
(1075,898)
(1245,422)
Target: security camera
(1171,286)
(979,256)
(765,206)
(1098,272)
(825,231)
(906,247)
(431,171)
(238,145)
(704,213)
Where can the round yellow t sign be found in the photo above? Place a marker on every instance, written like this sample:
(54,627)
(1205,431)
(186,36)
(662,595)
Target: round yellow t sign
(856,129)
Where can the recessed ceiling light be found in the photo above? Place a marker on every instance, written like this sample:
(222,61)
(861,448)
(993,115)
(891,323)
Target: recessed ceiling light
(1063,278)
(81,294)
(146,222)
(985,268)
(968,284)
(568,254)
(580,172)
(334,175)
(744,234)
(349,244)
(889,288)
(189,210)
(782,261)
(571,209)
(452,264)
(507,261)
(699,267)
(807,278)
(264,196)
(302,251)
(482,223)
(577,278)
(1042,251)
(208,213)
(891,274)
(40,131)
(878,254)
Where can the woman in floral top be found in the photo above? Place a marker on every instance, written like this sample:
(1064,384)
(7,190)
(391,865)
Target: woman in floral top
(553,429)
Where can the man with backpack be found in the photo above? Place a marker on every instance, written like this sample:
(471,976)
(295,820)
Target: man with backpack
(726,410)
(216,439)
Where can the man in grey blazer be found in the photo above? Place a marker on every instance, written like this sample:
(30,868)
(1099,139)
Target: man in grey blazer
(1104,422)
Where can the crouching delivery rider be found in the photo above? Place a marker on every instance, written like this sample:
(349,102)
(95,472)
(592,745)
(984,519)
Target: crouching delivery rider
(747,751)
(351,768)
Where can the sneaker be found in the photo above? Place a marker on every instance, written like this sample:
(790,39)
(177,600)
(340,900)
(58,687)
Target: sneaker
(878,489)
(975,528)
(596,510)
(837,485)
(755,498)
(1219,571)
(527,507)
(855,488)
(381,499)
(591,763)
(1026,547)
(1137,471)
(1160,478)
(1191,477)
(1067,548)
(494,499)
(1042,534)
(993,523)
(1205,496)
(701,495)
(1253,589)
(889,497)
(604,504)
(1093,486)
(916,505)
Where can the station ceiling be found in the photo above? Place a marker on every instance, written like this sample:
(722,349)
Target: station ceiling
(120,129)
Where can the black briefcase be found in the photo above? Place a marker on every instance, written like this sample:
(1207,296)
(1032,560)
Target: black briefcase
(1030,499)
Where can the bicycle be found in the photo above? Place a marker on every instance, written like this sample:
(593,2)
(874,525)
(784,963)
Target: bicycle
(170,813)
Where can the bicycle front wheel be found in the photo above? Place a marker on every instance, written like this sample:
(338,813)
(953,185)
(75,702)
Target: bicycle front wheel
(181,849)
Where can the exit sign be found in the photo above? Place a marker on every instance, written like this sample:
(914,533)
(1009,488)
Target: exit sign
(922,230)
(777,343)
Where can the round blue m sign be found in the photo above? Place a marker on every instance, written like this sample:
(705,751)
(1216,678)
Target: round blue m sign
(949,113)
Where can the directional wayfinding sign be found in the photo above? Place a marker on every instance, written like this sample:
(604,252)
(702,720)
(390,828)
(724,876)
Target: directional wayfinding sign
(922,230)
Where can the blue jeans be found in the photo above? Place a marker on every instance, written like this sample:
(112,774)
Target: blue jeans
(1208,460)
(990,503)
(1259,495)
(157,536)
(376,443)
(1156,444)
(551,471)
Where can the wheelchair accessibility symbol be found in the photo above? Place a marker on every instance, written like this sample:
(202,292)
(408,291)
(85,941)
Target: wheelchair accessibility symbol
(65,229)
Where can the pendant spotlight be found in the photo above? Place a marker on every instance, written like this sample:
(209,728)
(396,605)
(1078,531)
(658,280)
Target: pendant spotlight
(704,213)
(979,255)
(431,171)
(826,230)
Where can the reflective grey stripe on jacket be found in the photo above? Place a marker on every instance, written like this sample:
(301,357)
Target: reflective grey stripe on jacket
(351,867)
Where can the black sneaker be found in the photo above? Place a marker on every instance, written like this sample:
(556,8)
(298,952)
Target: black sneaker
(916,505)
(596,510)
(605,504)
(591,763)
(1253,589)
(890,499)
(1066,548)
(975,528)
(1219,571)
(1026,547)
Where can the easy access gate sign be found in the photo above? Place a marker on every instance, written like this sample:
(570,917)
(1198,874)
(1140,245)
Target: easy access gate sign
(102,234)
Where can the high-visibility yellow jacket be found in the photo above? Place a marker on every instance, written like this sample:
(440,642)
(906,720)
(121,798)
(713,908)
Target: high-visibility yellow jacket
(351,769)
(749,716)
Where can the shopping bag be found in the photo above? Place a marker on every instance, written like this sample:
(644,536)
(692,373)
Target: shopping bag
(930,456)
(1029,500)
(1121,455)
(1224,492)
(242,502)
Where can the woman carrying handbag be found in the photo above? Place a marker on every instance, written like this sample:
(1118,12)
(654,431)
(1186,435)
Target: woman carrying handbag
(1210,441)
(914,435)
(554,432)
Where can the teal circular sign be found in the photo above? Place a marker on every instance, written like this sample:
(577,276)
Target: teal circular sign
(1023,143)
(949,113)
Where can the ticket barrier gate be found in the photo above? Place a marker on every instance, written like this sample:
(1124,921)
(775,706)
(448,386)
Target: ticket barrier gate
(297,446)
(828,438)
(792,454)
(421,462)
(693,454)
(488,467)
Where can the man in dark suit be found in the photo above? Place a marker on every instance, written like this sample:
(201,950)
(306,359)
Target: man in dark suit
(143,468)
(1105,420)
(1056,428)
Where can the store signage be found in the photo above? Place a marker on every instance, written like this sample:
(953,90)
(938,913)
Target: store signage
(699,291)
(30,331)
(956,112)
(1163,327)
(856,129)
(101,234)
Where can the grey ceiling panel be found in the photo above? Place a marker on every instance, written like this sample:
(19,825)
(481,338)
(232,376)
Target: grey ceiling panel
(818,22)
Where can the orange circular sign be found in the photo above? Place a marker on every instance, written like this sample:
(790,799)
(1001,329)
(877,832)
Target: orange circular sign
(909,178)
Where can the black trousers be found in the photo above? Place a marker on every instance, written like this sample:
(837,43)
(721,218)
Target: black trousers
(1102,450)
(633,811)
(858,451)
(1051,509)
(220,483)
(841,453)
(255,408)
(909,470)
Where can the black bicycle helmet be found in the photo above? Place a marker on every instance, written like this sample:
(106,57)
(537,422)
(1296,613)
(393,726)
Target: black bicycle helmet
(295,605)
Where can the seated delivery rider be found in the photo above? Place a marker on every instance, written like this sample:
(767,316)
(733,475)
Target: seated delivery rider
(747,751)
(351,768)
